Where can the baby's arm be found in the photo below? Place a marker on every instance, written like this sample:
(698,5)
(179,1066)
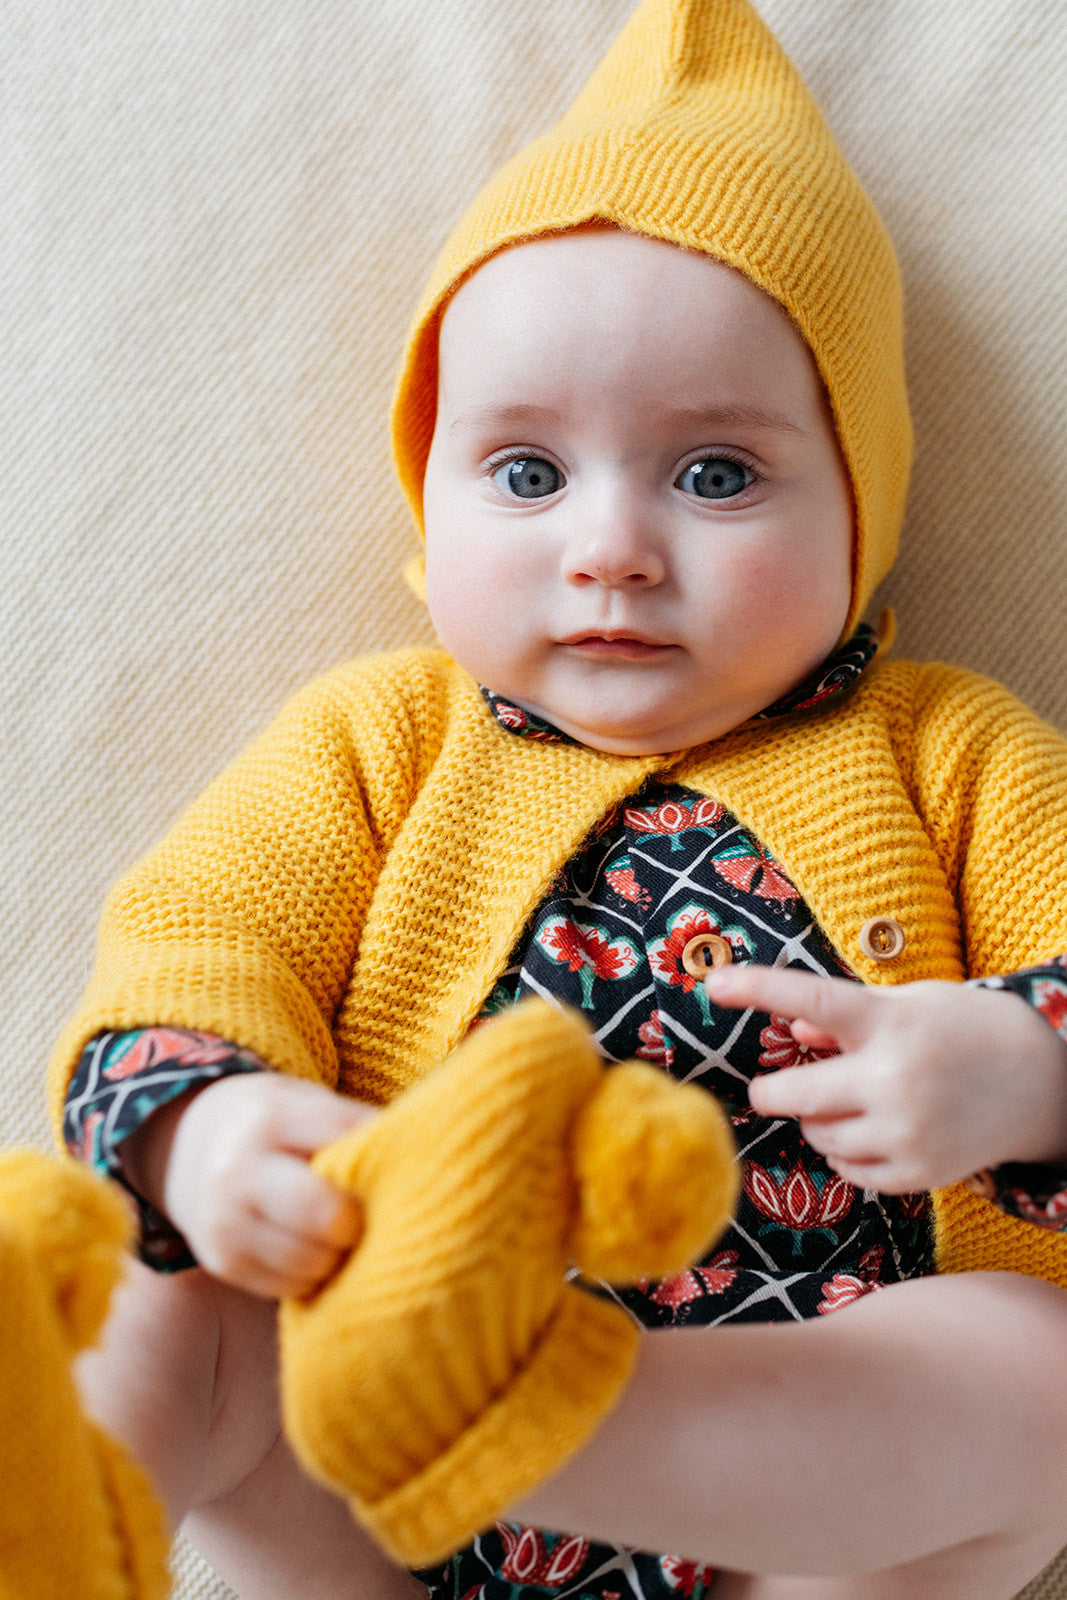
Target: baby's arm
(933,1080)
(228,1165)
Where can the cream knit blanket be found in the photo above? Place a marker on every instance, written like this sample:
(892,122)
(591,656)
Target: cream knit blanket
(217,215)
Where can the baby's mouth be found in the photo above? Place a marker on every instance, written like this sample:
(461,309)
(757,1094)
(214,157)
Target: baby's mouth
(625,646)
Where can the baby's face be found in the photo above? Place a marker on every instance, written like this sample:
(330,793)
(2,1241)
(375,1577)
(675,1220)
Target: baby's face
(638,524)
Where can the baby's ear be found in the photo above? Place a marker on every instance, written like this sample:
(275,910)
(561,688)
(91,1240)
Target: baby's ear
(77,1227)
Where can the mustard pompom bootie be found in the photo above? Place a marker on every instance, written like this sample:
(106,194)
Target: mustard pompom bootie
(449,1366)
(77,1516)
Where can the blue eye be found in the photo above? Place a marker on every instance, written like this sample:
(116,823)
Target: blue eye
(530,478)
(715,478)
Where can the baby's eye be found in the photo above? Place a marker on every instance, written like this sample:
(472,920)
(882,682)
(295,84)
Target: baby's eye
(715,478)
(531,477)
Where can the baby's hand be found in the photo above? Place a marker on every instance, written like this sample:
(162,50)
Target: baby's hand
(229,1167)
(933,1080)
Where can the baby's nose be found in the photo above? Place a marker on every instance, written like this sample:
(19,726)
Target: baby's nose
(616,554)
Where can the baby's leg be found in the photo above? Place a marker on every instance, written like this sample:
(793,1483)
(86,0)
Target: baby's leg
(186,1377)
(910,1445)
(962,1574)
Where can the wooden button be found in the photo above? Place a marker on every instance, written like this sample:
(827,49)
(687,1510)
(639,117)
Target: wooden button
(882,939)
(707,950)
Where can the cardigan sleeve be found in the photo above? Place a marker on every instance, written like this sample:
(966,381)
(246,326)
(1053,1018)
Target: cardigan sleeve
(245,920)
(989,781)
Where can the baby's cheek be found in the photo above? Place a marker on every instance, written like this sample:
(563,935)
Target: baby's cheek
(803,592)
(477,605)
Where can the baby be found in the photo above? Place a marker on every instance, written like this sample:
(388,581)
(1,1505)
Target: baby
(652,418)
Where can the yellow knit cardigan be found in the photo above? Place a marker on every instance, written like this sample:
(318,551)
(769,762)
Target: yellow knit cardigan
(342,899)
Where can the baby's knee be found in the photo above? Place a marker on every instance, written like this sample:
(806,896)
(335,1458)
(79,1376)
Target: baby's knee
(1022,1323)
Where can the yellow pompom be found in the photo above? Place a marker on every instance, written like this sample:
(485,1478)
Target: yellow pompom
(77,1227)
(657,1175)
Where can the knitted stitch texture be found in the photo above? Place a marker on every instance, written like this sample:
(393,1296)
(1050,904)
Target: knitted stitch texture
(342,899)
(696,129)
(448,1367)
(77,1516)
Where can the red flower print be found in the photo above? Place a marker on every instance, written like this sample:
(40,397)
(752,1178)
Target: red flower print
(654,1046)
(587,950)
(1046,1214)
(1050,998)
(681,1287)
(798,1200)
(814,698)
(511,716)
(706,813)
(748,866)
(844,1287)
(781,1049)
(665,955)
(871,1263)
(687,1577)
(182,1047)
(842,1290)
(520,721)
(674,817)
(626,886)
(528,1559)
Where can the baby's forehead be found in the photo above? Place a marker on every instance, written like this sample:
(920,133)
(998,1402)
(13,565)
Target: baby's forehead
(600,294)
(618,264)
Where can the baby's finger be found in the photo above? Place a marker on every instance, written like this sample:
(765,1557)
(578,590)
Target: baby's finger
(306,1116)
(812,1038)
(268,1260)
(844,1141)
(884,1176)
(822,1091)
(290,1196)
(835,1008)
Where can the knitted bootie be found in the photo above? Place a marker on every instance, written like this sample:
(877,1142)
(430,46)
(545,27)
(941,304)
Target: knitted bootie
(449,1367)
(77,1516)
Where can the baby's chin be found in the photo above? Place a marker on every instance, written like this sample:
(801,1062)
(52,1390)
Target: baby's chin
(627,735)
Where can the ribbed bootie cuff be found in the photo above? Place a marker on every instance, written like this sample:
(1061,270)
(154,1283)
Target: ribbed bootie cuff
(574,1378)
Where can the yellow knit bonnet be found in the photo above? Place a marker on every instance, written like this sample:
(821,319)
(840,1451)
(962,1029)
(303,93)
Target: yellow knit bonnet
(696,129)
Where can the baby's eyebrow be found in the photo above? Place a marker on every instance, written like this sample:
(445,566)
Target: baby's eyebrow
(516,416)
(729,416)
(695,418)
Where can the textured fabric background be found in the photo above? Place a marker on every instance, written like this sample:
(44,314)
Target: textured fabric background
(216,217)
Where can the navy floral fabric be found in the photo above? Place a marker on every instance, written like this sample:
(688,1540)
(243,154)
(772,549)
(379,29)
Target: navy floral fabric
(608,939)
(1035,1193)
(512,1563)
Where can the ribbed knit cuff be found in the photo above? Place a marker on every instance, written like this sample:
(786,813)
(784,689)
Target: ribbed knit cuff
(571,1382)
